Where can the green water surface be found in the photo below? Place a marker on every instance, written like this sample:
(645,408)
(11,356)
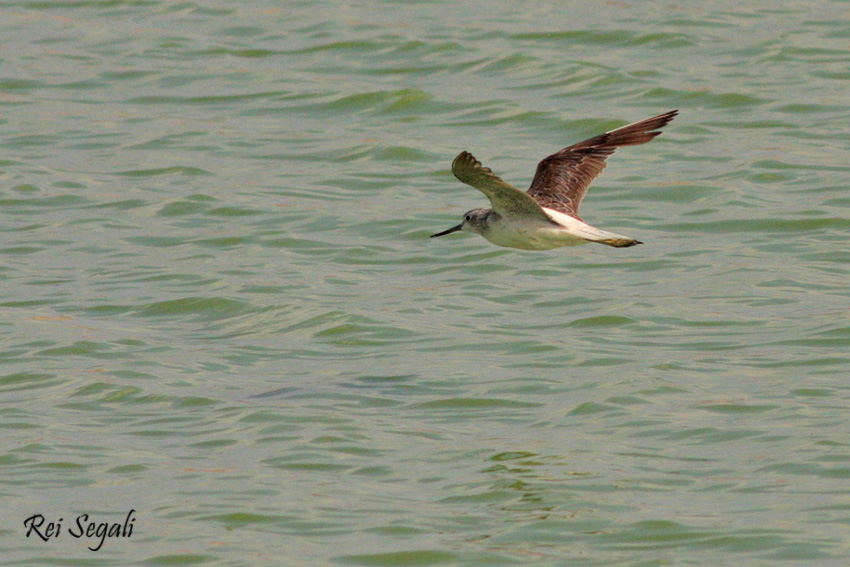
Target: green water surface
(221,308)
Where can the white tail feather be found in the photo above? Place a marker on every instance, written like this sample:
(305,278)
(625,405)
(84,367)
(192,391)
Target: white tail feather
(583,230)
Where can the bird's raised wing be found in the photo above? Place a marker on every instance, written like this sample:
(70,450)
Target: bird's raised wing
(562,179)
(504,197)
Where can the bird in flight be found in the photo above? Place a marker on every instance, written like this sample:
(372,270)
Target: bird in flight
(546,216)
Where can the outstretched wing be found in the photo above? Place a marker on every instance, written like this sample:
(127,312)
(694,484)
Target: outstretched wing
(504,197)
(562,179)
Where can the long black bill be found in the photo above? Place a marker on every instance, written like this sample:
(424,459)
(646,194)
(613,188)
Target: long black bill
(449,231)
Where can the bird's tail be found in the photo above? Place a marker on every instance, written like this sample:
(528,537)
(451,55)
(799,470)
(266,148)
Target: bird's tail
(593,234)
(619,241)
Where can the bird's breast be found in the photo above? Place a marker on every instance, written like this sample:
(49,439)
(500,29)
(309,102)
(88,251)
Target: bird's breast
(530,234)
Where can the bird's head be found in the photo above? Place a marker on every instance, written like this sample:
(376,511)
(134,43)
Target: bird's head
(473,221)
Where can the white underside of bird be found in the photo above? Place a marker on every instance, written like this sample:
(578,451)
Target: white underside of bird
(530,234)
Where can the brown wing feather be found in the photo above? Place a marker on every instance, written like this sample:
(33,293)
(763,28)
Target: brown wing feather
(562,179)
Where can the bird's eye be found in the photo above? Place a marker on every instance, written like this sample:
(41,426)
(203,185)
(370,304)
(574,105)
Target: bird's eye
(467,217)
